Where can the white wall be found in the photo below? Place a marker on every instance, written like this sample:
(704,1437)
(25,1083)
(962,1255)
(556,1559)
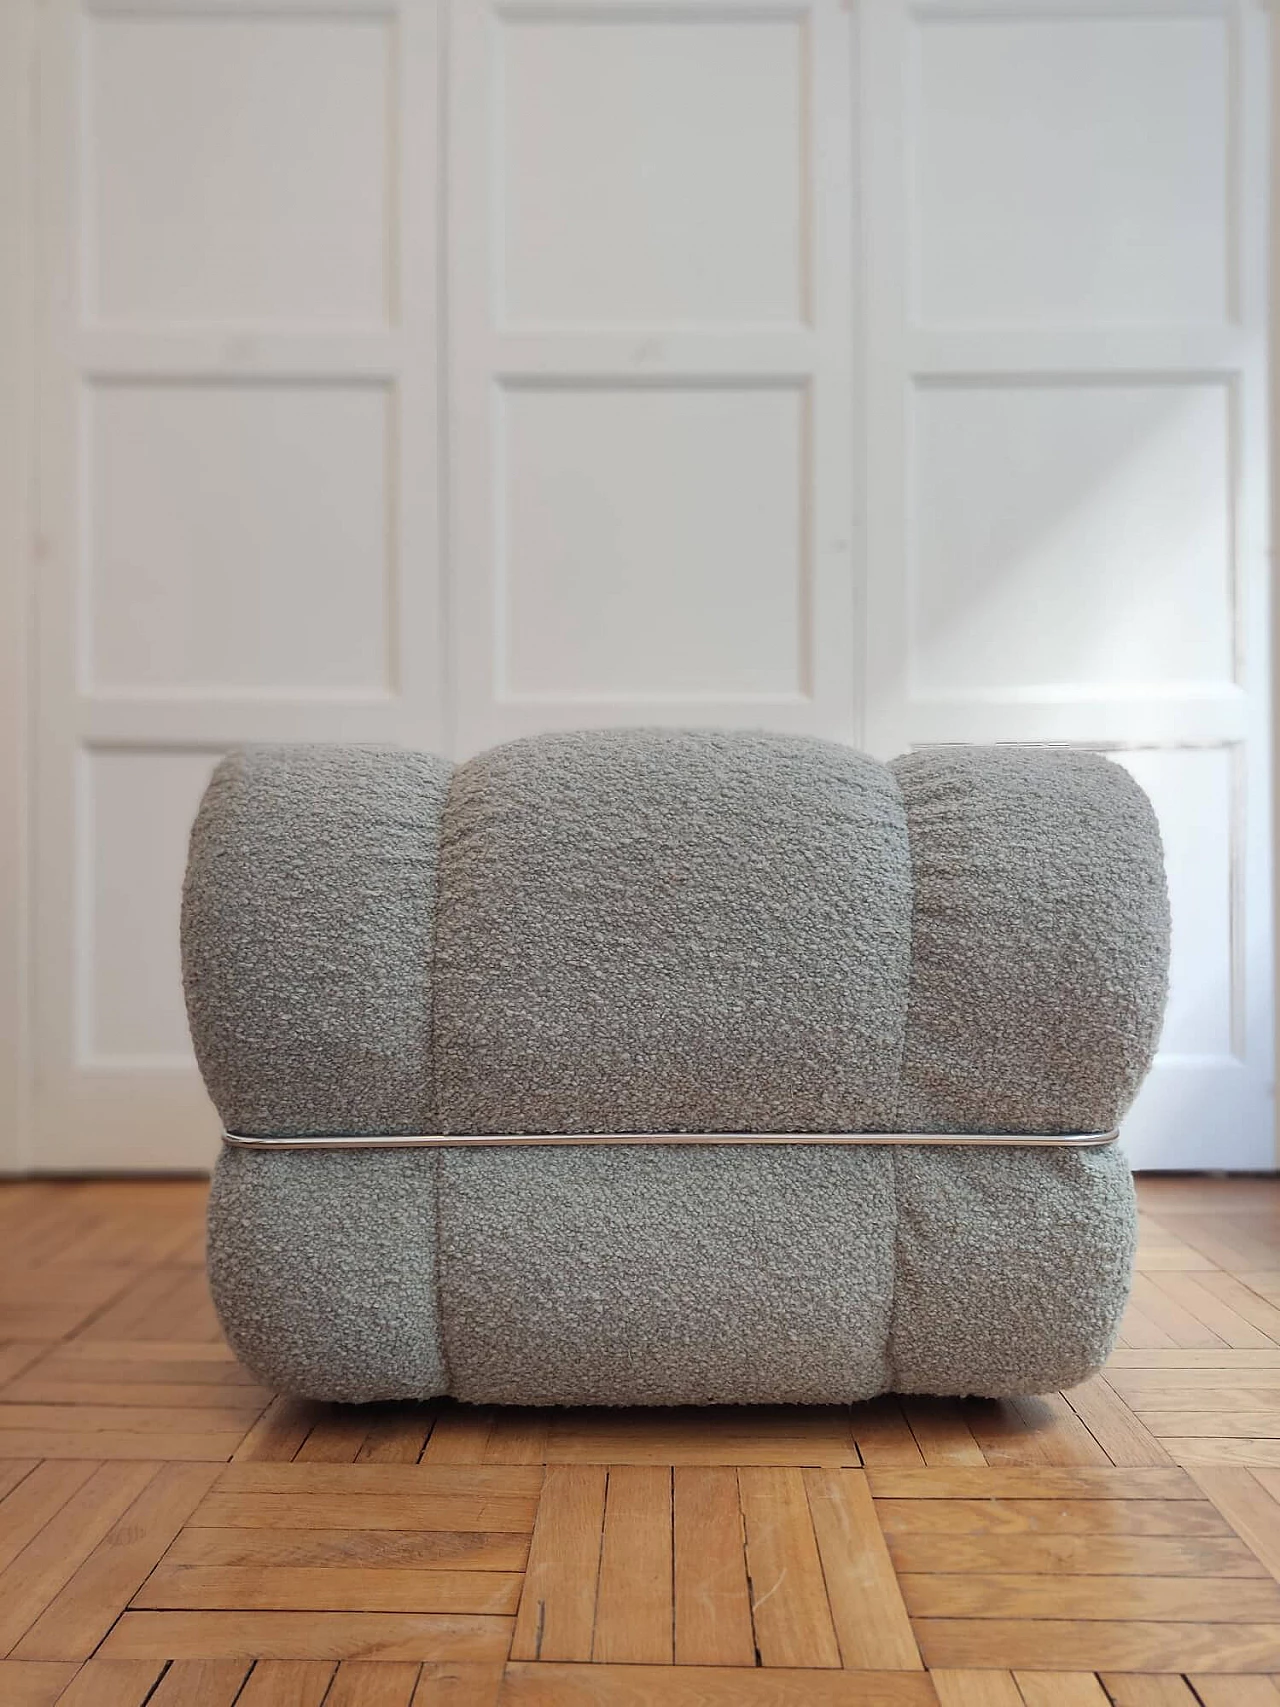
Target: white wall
(891,373)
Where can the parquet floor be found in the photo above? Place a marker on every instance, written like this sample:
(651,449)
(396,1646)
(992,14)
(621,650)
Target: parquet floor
(171,1533)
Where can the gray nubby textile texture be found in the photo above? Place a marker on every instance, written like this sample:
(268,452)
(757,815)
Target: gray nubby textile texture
(1039,940)
(659,931)
(673,931)
(653,1275)
(307,918)
(323,1269)
(1012,1270)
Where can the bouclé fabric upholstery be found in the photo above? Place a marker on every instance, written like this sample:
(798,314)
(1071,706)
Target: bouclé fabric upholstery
(672,932)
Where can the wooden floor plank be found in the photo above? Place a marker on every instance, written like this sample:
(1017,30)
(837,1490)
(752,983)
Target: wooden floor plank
(200,1683)
(111,1683)
(1224,1238)
(1178,1599)
(455,1683)
(206,1396)
(1217,1316)
(1221,1393)
(709,1686)
(168,1303)
(789,1609)
(1076,1645)
(1154,1691)
(478,1481)
(976,1689)
(93,1420)
(519,1435)
(1235,1691)
(1253,1424)
(1170,1253)
(326,1589)
(730,1434)
(871,1622)
(1076,1555)
(1061,1689)
(12,1472)
(1030,1484)
(1032,1431)
(398,1436)
(634,1605)
(941,1431)
(1264,1282)
(1099,1517)
(1183,1329)
(125,1445)
(1139,1332)
(287,1683)
(882,1433)
(339,1510)
(31,1683)
(1223,1357)
(459,1435)
(80,1615)
(423,1549)
(279,1432)
(556,1620)
(1195,1452)
(1258,1311)
(336,1436)
(48,1561)
(1126,1439)
(1247,1505)
(147,1360)
(373,1683)
(34,1500)
(712,1598)
(303,1636)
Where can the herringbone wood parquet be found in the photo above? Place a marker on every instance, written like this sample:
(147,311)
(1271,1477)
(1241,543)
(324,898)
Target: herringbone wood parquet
(173,1534)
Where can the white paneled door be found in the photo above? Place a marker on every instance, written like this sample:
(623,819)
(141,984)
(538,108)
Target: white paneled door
(438,374)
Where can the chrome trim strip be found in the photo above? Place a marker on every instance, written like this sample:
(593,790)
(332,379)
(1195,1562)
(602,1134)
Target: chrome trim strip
(456,1140)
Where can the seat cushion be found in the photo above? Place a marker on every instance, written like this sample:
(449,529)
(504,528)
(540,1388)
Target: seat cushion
(769,1274)
(673,931)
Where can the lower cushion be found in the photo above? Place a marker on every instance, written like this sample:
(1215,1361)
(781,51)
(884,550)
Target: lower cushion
(672,1275)
(666,1275)
(1012,1267)
(323,1270)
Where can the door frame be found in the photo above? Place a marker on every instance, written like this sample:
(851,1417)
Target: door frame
(17,566)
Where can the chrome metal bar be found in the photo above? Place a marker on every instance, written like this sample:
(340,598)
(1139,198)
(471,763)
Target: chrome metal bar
(461,1140)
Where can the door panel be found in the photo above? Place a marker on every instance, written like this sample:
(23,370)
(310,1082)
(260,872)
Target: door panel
(1066,475)
(240,513)
(891,373)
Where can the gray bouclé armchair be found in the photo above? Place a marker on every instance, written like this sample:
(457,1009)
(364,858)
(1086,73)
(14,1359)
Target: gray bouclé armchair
(860,1035)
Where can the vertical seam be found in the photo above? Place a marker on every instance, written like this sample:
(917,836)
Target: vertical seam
(437,1187)
(895,1244)
(433,1092)
(908,958)
(432,980)
(890,1363)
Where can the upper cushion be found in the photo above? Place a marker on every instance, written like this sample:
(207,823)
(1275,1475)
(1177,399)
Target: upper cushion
(655,930)
(307,919)
(1039,940)
(664,930)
